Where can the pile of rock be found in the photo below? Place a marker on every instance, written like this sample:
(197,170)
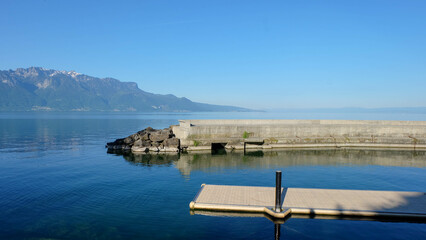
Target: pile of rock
(147,140)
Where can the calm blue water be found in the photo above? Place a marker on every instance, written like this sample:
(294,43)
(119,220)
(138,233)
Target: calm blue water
(58,182)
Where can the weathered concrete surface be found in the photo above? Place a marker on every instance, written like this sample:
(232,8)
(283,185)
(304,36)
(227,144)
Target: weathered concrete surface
(200,134)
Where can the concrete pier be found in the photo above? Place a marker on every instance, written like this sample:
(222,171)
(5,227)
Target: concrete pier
(308,201)
(268,134)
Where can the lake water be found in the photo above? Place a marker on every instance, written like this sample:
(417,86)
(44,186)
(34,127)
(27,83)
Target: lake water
(58,182)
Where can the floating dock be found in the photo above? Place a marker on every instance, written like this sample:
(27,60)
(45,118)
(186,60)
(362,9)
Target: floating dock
(309,201)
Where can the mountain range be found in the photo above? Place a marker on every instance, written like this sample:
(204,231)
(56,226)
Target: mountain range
(39,89)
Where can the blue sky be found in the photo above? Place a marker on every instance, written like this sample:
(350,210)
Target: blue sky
(256,54)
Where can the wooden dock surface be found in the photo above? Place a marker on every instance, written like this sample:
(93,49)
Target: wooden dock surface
(311,201)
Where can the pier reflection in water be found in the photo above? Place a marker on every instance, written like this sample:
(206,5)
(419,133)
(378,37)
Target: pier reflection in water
(208,162)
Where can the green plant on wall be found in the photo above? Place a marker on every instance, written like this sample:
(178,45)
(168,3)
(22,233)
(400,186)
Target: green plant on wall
(415,140)
(246,134)
(196,143)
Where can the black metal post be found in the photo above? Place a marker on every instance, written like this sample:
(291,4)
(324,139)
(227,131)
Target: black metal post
(278,191)
(277,231)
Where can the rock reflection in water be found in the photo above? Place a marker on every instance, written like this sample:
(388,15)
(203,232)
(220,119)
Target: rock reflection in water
(149,160)
(209,162)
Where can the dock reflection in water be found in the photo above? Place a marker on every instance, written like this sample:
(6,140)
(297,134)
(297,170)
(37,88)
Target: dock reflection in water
(278,222)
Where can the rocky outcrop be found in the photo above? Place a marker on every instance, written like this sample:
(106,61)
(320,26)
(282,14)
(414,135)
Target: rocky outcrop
(147,140)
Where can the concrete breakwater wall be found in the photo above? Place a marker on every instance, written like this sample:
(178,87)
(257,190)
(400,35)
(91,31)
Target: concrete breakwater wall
(268,134)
